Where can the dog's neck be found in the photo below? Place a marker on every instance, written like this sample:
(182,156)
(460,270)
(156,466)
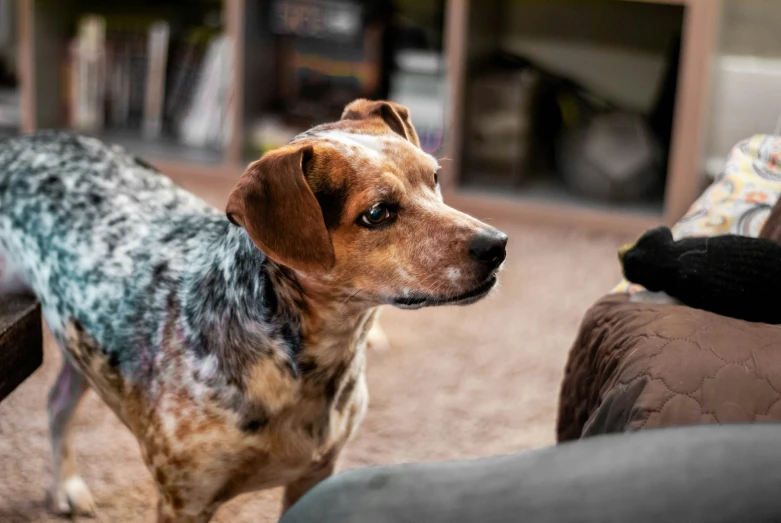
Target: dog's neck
(239,303)
(333,319)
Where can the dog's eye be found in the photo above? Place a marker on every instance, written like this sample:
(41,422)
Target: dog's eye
(376,215)
(436,179)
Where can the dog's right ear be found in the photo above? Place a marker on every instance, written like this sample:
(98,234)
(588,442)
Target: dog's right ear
(275,204)
(395,116)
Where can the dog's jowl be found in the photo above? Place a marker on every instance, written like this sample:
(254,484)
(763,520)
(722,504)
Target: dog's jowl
(231,344)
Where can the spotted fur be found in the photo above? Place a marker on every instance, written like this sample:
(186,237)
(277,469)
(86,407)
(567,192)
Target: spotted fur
(235,371)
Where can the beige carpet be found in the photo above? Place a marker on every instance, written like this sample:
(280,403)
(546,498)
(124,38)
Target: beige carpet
(459,382)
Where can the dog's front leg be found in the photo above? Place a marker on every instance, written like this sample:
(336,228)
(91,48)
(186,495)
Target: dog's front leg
(69,494)
(319,471)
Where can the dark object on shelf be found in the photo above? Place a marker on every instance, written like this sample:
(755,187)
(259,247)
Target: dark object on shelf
(602,151)
(499,137)
(660,118)
(21,341)
(731,275)
(614,155)
(8,78)
(512,119)
(525,121)
(610,156)
(330,53)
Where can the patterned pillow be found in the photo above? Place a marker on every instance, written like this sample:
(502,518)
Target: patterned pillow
(740,200)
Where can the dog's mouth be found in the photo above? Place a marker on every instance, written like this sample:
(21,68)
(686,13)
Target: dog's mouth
(467,298)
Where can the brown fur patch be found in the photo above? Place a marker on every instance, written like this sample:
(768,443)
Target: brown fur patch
(269,383)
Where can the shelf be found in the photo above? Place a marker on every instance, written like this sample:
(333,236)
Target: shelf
(165,148)
(475,31)
(175,159)
(561,211)
(470,30)
(182,168)
(549,189)
(50,34)
(545,199)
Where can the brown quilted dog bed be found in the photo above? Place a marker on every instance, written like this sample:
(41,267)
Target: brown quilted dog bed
(635,366)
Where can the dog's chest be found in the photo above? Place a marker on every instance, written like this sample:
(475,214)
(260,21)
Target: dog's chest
(197,428)
(190,436)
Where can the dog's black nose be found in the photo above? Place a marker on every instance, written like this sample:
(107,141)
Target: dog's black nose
(488,247)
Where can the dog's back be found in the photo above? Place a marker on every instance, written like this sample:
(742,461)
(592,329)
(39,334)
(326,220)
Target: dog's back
(87,227)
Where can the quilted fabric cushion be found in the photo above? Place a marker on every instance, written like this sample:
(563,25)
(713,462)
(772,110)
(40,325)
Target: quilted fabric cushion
(637,366)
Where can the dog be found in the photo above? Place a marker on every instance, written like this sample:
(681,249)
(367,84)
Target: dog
(231,344)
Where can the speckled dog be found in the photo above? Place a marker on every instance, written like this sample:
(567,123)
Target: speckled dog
(232,347)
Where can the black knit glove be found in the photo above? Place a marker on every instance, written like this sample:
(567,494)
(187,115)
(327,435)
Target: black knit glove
(732,275)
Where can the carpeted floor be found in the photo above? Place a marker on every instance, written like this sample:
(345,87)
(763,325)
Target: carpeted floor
(459,382)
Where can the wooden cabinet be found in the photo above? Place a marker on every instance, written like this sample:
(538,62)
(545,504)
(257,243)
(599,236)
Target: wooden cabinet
(470,30)
(473,29)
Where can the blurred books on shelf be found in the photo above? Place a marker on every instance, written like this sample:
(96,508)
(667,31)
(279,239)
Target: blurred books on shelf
(88,74)
(141,77)
(186,62)
(207,121)
(155,83)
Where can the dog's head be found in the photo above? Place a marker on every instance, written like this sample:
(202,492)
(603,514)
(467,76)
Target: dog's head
(356,203)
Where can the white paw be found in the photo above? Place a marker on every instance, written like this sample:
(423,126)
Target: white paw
(653,297)
(377,340)
(72,498)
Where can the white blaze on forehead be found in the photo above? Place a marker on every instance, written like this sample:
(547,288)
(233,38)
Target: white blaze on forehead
(369,144)
(375,145)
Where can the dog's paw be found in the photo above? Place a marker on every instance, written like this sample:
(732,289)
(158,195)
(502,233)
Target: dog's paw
(660,298)
(72,498)
(377,340)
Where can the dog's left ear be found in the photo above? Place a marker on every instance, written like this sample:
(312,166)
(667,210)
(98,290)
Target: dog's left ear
(275,204)
(396,116)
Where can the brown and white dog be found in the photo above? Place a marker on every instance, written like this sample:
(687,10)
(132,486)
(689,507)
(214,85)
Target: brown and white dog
(232,348)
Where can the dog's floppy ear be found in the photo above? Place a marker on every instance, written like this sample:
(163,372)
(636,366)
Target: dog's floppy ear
(396,116)
(275,204)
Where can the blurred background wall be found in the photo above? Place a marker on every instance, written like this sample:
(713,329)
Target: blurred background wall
(747,76)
